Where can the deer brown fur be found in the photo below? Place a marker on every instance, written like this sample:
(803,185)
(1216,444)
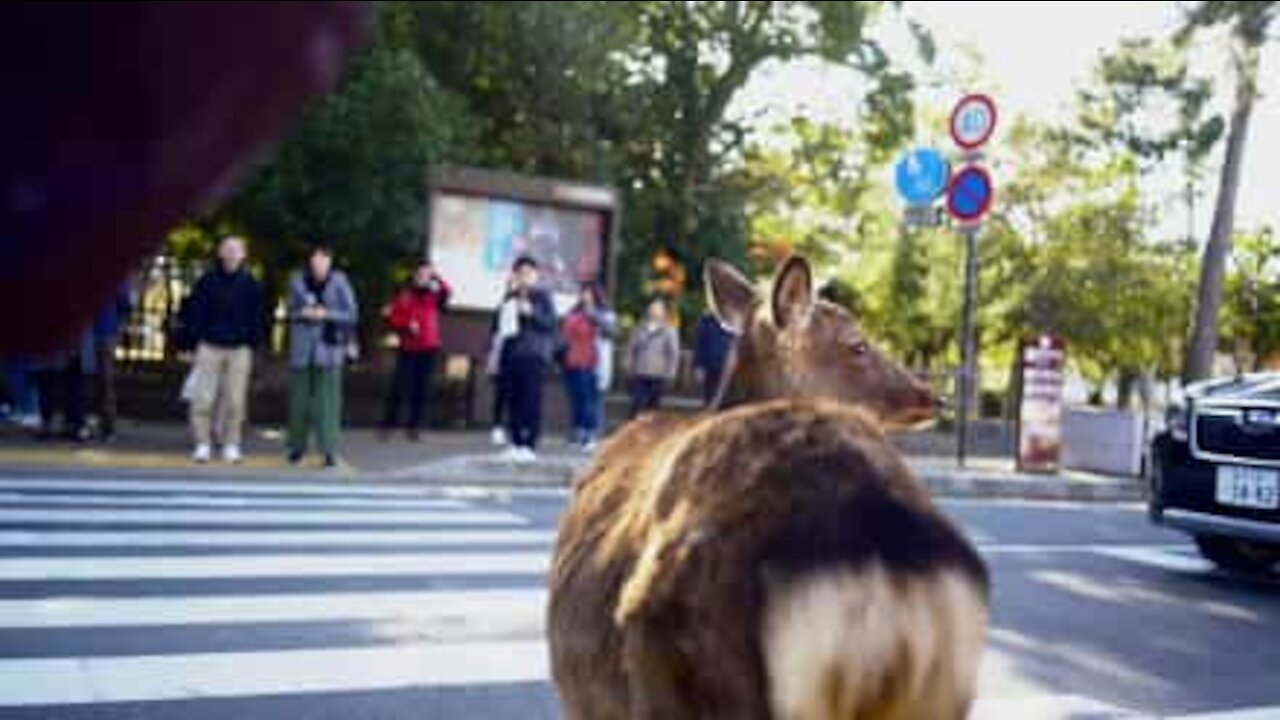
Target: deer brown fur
(775,560)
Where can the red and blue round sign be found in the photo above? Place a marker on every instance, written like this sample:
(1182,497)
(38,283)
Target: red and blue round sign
(970,194)
(973,121)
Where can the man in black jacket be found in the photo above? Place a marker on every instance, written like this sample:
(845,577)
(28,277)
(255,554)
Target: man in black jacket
(527,327)
(224,317)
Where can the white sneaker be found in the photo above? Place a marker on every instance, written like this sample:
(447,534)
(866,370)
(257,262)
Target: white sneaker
(231,454)
(590,446)
(527,455)
(498,437)
(202,455)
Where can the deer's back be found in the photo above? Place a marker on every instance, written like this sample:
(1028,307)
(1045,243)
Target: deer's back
(679,533)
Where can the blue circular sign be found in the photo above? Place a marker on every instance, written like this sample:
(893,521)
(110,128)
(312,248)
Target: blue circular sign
(970,194)
(921,176)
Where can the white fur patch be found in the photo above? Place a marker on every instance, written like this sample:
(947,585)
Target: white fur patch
(865,645)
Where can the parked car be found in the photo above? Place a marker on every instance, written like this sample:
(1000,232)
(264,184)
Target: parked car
(1215,470)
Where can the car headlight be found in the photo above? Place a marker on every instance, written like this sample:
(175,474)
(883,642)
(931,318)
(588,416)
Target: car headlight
(1177,422)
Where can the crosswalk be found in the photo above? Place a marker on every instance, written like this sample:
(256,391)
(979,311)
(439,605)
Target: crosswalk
(132,594)
(200,571)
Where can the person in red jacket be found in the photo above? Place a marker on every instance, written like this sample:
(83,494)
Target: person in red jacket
(414,315)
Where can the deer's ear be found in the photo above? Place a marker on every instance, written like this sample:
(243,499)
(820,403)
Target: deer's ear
(729,294)
(792,290)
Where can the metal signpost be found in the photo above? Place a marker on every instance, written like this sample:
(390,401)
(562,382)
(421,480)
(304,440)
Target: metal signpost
(969,199)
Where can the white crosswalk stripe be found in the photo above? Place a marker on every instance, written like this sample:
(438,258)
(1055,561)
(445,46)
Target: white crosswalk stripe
(88,532)
(237,516)
(224,501)
(269,537)
(434,590)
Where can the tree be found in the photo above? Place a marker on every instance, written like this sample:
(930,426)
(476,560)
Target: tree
(693,58)
(1070,250)
(541,78)
(352,172)
(637,94)
(1251,321)
(1248,24)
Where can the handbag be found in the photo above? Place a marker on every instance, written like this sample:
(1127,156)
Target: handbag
(336,334)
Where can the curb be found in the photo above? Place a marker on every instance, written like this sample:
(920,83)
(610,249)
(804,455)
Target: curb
(942,482)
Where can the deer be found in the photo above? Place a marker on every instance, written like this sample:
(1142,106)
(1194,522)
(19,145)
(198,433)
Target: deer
(772,558)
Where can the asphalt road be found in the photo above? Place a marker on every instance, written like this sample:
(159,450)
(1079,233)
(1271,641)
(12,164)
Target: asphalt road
(199,599)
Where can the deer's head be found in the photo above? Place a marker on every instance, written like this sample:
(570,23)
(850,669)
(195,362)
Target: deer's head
(793,345)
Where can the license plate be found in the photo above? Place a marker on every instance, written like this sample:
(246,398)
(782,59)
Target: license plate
(1248,487)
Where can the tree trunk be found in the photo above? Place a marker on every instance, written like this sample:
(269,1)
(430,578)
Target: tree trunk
(1204,333)
(1126,384)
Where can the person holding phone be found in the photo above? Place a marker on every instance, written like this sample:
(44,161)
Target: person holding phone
(414,315)
(526,353)
(322,321)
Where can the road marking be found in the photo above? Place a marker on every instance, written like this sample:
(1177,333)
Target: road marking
(196,500)
(148,678)
(241,516)
(473,614)
(215,486)
(1046,707)
(187,567)
(72,681)
(1259,713)
(281,538)
(1051,548)
(1159,558)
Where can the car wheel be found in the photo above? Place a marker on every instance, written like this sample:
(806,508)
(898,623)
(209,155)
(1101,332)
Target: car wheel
(1238,555)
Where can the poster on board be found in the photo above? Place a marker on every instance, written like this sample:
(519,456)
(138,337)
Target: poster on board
(474,240)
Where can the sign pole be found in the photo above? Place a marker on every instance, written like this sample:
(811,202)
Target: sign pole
(969,198)
(969,344)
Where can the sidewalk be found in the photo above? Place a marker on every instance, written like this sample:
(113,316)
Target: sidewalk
(983,478)
(468,458)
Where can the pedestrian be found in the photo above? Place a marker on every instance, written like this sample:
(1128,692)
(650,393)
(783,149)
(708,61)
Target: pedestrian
(224,317)
(322,322)
(414,315)
(24,398)
(580,333)
(106,335)
(527,324)
(653,358)
(505,325)
(604,367)
(712,344)
(60,386)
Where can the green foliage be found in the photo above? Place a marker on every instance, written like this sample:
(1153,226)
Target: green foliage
(1251,322)
(1145,100)
(686,65)
(351,174)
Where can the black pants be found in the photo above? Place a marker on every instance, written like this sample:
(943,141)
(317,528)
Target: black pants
(65,384)
(711,386)
(523,378)
(500,400)
(646,394)
(410,384)
(108,407)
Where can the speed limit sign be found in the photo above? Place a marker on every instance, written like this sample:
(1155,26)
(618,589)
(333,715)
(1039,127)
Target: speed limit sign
(973,121)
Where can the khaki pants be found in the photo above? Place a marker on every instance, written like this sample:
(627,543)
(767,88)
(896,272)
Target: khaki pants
(222,379)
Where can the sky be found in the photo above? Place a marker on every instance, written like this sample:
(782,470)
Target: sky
(1033,55)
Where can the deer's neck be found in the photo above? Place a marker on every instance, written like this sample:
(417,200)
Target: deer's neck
(744,382)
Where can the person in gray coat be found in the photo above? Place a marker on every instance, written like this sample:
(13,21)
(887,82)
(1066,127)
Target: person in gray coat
(322,322)
(653,358)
